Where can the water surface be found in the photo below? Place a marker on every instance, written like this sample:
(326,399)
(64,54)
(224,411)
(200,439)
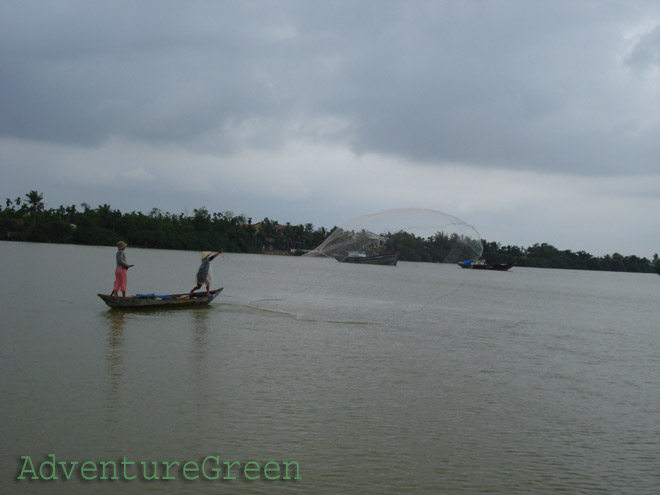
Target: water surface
(418,378)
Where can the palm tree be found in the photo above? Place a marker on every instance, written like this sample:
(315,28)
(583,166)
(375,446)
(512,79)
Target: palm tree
(36,204)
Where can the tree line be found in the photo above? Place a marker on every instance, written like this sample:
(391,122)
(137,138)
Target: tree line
(27,219)
(547,256)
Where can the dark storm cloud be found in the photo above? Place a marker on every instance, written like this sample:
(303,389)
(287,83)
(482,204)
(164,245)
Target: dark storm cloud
(89,71)
(549,86)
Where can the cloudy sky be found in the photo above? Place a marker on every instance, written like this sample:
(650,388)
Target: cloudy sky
(534,121)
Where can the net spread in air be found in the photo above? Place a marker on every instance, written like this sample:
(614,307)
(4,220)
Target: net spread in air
(340,281)
(412,234)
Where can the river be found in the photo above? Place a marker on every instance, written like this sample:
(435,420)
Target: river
(420,379)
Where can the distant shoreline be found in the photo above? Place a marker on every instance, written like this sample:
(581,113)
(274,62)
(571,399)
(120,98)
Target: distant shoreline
(284,253)
(29,221)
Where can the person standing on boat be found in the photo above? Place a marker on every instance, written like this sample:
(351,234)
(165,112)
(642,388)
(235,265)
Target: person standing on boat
(205,274)
(121,270)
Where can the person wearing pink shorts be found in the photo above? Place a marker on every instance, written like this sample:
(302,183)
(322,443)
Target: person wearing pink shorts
(121,271)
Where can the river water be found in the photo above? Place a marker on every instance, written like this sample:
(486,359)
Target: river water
(421,379)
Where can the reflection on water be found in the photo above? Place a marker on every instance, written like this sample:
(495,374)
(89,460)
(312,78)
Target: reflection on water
(114,356)
(200,329)
(201,393)
(193,322)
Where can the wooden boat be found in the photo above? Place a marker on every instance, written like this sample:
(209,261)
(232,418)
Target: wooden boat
(147,301)
(482,265)
(374,259)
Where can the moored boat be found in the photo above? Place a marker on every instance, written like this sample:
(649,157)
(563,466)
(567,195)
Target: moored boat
(482,265)
(374,259)
(146,301)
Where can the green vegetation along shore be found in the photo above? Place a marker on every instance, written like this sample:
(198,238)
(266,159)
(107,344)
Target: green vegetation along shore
(27,219)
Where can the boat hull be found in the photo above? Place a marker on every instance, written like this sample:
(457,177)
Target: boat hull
(147,301)
(500,267)
(379,259)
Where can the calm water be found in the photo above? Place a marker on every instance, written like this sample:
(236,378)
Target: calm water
(414,379)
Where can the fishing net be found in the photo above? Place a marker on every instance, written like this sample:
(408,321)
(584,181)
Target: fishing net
(373,268)
(412,234)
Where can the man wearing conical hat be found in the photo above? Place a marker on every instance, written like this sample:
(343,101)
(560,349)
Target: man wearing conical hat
(205,274)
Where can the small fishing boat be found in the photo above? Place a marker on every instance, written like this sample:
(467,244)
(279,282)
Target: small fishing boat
(146,301)
(374,259)
(482,265)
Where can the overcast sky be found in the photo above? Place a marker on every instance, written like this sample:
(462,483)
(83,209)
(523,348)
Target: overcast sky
(533,121)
